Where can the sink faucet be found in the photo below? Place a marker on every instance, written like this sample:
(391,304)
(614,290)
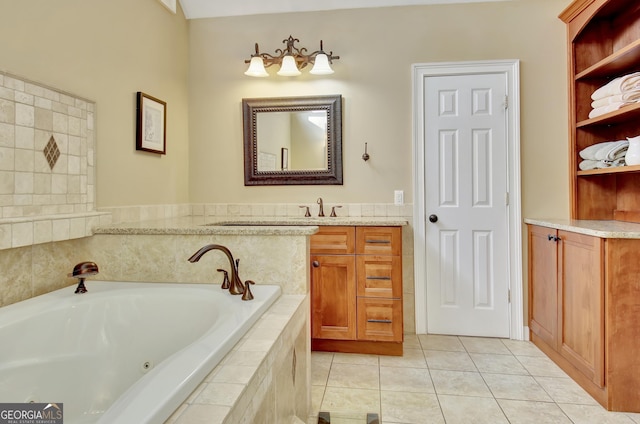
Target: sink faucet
(236,286)
(321,211)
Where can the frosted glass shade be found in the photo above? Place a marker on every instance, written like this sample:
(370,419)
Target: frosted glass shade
(256,68)
(321,65)
(288,67)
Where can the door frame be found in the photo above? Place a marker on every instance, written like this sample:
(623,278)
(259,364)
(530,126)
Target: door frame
(511,69)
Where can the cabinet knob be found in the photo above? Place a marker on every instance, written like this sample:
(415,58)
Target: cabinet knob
(315,264)
(433,218)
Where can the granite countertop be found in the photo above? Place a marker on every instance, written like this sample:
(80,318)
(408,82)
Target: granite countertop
(242,225)
(604,229)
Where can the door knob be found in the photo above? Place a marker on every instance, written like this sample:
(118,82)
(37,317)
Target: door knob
(433,218)
(315,264)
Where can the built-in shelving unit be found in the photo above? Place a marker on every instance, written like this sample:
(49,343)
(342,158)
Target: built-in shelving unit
(603,44)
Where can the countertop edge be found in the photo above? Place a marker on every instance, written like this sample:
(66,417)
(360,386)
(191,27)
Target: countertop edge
(597,228)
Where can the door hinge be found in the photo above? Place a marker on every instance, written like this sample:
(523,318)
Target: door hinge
(506,198)
(509,296)
(506,102)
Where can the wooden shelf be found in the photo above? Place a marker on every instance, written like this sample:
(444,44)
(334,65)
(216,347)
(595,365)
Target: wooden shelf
(624,60)
(624,114)
(616,170)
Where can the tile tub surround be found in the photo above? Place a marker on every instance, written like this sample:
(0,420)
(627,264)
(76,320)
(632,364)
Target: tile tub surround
(265,378)
(40,203)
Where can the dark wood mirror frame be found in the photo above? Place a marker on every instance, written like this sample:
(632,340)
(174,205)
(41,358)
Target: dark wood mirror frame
(332,104)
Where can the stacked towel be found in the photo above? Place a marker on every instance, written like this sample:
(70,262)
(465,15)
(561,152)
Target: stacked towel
(607,154)
(615,94)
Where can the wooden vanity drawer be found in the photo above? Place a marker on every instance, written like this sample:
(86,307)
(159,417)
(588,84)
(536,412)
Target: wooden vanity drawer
(379,276)
(379,319)
(378,240)
(334,240)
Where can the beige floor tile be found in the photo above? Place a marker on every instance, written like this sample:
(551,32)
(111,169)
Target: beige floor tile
(527,412)
(593,414)
(634,416)
(468,409)
(522,348)
(341,399)
(541,366)
(410,408)
(565,390)
(321,357)
(397,379)
(445,360)
(355,358)
(412,358)
(411,341)
(320,368)
(438,342)
(461,383)
(484,345)
(499,364)
(317,393)
(515,387)
(355,376)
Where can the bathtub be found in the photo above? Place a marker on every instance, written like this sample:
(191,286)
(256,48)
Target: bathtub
(123,352)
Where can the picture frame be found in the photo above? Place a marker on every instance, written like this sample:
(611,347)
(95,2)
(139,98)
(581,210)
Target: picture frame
(151,124)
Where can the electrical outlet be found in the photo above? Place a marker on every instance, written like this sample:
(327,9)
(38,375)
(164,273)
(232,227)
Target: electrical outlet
(398,197)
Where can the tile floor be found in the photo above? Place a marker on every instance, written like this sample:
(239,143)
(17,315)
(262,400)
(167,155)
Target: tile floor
(448,379)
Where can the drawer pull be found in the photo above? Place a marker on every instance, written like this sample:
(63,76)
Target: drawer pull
(378,241)
(383,321)
(378,278)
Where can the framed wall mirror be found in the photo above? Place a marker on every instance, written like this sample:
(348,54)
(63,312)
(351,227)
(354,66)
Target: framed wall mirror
(292,140)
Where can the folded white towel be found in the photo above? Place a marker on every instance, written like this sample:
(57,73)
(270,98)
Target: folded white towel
(607,150)
(608,108)
(629,96)
(588,164)
(618,86)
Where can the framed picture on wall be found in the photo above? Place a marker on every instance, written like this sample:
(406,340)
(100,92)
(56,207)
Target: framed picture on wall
(151,124)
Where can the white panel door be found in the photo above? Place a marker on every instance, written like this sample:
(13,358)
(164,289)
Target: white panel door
(466,205)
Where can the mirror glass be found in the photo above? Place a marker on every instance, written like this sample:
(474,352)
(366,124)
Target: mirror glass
(293,140)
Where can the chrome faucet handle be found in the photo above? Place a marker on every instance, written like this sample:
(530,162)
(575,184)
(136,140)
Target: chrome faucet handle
(247,295)
(225,283)
(333,211)
(306,213)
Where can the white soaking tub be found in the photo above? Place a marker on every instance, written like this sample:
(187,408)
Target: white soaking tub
(122,352)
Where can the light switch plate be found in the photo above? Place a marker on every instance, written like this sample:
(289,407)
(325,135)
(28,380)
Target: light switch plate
(398,197)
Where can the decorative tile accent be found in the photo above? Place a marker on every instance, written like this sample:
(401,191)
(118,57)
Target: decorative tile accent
(51,152)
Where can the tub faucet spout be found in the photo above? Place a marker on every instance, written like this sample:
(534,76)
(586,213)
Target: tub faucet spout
(236,286)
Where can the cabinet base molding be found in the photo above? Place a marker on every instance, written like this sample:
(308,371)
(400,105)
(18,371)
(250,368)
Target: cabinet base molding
(357,346)
(598,393)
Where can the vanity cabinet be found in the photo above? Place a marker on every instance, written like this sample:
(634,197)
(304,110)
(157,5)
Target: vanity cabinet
(584,311)
(356,289)
(603,39)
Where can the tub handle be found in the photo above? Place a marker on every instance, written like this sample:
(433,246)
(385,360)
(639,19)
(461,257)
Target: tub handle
(247,295)
(225,283)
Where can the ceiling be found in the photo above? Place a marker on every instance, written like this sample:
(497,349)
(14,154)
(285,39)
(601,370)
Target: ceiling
(194,9)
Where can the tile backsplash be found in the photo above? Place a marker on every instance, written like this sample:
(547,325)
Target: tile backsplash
(47,164)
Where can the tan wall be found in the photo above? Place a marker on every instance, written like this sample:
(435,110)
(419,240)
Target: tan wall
(377,48)
(106,51)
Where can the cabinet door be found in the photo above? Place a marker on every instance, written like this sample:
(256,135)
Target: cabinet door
(333,297)
(543,284)
(379,276)
(379,319)
(581,316)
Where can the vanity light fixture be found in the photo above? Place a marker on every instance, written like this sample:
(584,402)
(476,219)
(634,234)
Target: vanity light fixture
(291,60)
